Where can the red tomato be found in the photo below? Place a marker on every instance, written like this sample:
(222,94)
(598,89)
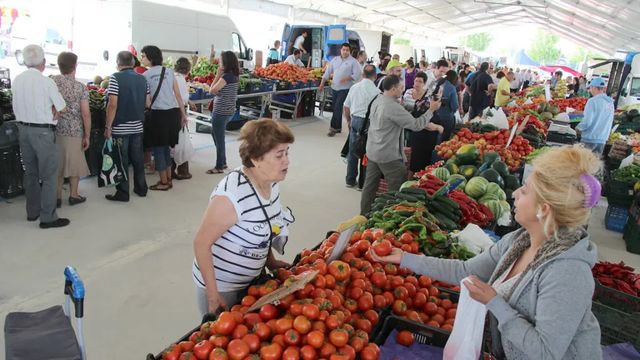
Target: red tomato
(390,269)
(172,352)
(399,307)
(186,345)
(253,341)
(382,247)
(196,337)
(311,311)
(263,331)
(218,354)
(283,325)
(405,338)
(237,349)
(365,302)
(271,352)
(308,353)
(315,339)
(370,352)
(340,270)
(291,337)
(202,349)
(339,337)
(291,353)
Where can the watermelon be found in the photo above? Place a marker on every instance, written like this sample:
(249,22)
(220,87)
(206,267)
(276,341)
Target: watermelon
(493,188)
(501,168)
(441,173)
(409,184)
(476,187)
(490,157)
(506,208)
(488,197)
(495,207)
(452,167)
(493,177)
(468,171)
(511,182)
(468,154)
(455,177)
(452,160)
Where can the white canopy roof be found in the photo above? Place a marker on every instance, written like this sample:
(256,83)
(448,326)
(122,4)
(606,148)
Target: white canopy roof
(605,26)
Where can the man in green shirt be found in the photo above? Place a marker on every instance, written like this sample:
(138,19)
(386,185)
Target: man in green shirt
(503,94)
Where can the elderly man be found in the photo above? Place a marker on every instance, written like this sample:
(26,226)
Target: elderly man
(388,119)
(128,95)
(598,118)
(355,110)
(346,72)
(36,103)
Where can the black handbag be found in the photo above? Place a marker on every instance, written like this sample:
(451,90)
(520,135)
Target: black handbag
(360,144)
(148,112)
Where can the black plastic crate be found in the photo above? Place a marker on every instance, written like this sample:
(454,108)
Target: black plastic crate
(616,218)
(619,193)
(11,171)
(631,235)
(422,333)
(617,326)
(185,337)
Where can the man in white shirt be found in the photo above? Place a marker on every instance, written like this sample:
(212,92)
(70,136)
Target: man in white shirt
(294,59)
(355,109)
(36,103)
(299,43)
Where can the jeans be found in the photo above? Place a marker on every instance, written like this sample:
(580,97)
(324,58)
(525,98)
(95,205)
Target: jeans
(218,127)
(597,149)
(352,159)
(161,157)
(40,159)
(132,151)
(395,172)
(338,97)
(231,298)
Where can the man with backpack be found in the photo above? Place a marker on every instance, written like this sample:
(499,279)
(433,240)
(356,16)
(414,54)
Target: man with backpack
(385,139)
(355,109)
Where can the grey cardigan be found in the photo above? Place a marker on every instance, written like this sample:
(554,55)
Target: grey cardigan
(549,314)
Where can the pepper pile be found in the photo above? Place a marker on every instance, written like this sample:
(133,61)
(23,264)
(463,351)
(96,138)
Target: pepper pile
(617,276)
(472,212)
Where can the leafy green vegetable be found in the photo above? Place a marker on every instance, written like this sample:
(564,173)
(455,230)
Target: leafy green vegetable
(628,174)
(203,67)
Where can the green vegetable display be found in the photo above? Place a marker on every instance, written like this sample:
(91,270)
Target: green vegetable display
(203,67)
(628,174)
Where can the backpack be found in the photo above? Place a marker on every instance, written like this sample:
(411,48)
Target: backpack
(360,145)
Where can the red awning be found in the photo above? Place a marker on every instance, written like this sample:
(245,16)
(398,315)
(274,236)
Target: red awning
(564,69)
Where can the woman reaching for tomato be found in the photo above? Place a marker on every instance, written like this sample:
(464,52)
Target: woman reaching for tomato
(536,282)
(244,221)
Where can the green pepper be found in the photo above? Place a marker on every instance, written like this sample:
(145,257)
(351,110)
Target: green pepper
(419,228)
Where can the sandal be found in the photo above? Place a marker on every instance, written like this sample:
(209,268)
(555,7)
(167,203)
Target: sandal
(215,171)
(183,176)
(160,186)
(76,200)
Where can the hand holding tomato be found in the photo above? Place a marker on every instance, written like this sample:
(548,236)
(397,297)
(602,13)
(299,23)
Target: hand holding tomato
(479,290)
(395,257)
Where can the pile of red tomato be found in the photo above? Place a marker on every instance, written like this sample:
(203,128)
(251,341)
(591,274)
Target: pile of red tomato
(332,316)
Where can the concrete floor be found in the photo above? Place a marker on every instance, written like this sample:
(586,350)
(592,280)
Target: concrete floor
(135,258)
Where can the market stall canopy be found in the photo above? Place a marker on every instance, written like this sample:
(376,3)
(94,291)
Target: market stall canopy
(603,26)
(523,59)
(564,69)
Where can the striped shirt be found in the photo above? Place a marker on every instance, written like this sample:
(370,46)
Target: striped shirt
(225,102)
(241,252)
(128,127)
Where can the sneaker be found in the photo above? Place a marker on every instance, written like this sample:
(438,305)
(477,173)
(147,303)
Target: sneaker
(77,200)
(333,132)
(61,222)
(359,189)
(351,186)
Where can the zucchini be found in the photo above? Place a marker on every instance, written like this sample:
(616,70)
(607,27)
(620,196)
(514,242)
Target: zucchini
(414,191)
(446,201)
(407,197)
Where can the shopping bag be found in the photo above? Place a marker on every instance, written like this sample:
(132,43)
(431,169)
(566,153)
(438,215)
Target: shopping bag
(345,149)
(184,150)
(465,341)
(112,172)
(458,118)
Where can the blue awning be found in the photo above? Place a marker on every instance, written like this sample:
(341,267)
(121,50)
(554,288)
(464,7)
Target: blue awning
(522,59)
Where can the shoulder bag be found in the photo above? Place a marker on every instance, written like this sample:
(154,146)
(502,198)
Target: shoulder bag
(360,145)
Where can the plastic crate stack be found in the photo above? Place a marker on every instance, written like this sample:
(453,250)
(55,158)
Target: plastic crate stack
(631,233)
(618,314)
(11,167)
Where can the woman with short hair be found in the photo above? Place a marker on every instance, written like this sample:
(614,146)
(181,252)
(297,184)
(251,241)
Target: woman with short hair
(244,221)
(225,88)
(536,282)
(168,115)
(182,69)
(73,129)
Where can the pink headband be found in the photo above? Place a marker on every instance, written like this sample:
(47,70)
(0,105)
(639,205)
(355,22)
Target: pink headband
(592,189)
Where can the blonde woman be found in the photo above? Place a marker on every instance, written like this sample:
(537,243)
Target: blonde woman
(536,282)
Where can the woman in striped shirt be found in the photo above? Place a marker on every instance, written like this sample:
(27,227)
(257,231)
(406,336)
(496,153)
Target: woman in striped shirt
(225,88)
(244,221)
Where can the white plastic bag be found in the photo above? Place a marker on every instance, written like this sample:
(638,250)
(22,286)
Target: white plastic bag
(458,118)
(528,102)
(512,103)
(465,118)
(465,341)
(184,149)
(497,118)
(474,238)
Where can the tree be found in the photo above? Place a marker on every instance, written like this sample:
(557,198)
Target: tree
(478,41)
(583,54)
(543,49)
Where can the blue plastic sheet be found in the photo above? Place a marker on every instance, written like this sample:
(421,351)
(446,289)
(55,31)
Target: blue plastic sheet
(391,350)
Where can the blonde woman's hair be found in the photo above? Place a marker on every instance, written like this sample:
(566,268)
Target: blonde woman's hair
(556,182)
